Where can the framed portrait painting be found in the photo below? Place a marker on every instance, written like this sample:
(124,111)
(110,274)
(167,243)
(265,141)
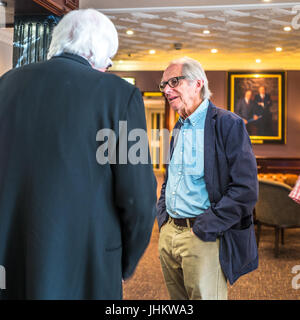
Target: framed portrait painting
(259,99)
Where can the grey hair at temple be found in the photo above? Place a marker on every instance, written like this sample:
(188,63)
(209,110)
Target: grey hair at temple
(88,33)
(192,70)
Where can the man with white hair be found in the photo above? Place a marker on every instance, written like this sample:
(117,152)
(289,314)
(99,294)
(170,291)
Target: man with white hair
(71,226)
(205,209)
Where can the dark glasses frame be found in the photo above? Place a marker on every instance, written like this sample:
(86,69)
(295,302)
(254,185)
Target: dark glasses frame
(163,84)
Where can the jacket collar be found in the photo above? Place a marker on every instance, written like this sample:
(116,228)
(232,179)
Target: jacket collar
(209,148)
(211,111)
(74,57)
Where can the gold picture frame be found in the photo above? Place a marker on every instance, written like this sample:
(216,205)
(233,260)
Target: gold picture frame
(259,99)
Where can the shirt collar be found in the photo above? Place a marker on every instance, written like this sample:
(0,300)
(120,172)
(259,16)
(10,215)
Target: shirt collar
(195,116)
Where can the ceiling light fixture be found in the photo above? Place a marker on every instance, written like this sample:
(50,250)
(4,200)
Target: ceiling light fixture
(152,51)
(278,49)
(258,61)
(287,28)
(206,31)
(129,32)
(267,0)
(214,50)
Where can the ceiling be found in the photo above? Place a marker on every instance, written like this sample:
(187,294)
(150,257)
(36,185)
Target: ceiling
(241,31)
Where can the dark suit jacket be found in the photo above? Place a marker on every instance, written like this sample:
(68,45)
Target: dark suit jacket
(230,174)
(245,110)
(70,228)
(265,123)
(266,100)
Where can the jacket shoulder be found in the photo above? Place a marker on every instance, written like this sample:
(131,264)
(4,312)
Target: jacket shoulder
(225,121)
(221,114)
(113,78)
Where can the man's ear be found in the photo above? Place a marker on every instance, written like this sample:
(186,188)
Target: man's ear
(199,84)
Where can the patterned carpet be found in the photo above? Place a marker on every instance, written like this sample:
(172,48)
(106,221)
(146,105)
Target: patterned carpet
(273,280)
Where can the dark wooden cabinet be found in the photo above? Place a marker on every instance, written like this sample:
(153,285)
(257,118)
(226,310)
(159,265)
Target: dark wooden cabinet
(59,7)
(278,165)
(72,4)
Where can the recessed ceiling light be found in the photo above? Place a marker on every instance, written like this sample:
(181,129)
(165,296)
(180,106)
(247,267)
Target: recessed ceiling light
(152,51)
(214,50)
(206,31)
(287,28)
(267,0)
(129,32)
(258,61)
(278,49)
(121,61)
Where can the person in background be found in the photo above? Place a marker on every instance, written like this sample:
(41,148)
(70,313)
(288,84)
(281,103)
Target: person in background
(71,227)
(205,209)
(295,193)
(246,109)
(263,107)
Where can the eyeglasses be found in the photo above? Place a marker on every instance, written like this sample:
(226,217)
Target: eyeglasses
(109,66)
(172,82)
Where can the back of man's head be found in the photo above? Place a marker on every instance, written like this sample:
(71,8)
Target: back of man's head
(87,33)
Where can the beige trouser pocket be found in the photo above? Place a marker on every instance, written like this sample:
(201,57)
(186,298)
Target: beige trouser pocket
(190,266)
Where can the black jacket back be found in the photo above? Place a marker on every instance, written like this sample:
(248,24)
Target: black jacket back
(70,228)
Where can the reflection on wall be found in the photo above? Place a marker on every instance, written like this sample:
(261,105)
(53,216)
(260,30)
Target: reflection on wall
(32,37)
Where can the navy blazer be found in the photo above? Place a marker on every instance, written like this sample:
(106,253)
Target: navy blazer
(230,173)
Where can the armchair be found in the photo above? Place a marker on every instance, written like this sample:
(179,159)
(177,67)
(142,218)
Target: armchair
(275,209)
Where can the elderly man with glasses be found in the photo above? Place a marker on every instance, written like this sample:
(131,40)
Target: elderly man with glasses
(205,208)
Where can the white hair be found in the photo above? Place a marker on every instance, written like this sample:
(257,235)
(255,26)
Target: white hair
(192,69)
(88,33)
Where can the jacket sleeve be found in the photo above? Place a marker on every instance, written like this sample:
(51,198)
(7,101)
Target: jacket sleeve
(238,201)
(161,212)
(135,189)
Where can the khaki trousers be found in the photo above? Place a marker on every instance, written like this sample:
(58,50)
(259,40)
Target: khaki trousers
(190,266)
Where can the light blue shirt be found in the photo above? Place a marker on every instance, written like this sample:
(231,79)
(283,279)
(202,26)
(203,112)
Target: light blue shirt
(186,194)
